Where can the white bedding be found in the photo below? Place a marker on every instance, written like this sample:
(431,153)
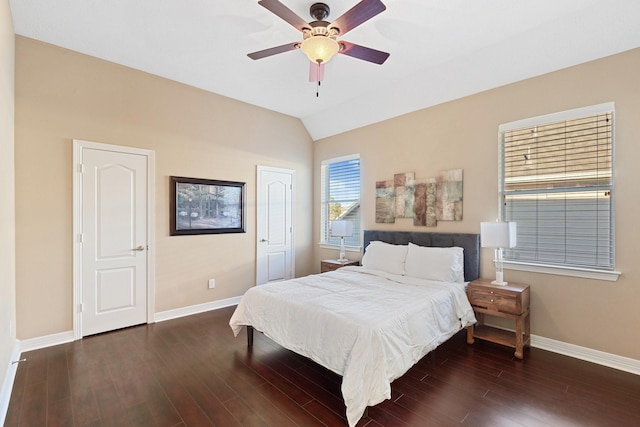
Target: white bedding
(366,325)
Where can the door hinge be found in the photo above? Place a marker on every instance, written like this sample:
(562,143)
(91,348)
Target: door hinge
(80,308)
(80,168)
(80,238)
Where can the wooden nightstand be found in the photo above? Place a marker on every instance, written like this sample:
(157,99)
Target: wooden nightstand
(510,301)
(334,264)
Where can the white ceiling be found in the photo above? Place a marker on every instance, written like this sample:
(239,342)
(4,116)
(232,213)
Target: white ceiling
(440,49)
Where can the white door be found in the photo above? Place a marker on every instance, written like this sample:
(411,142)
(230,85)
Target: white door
(113,238)
(275,254)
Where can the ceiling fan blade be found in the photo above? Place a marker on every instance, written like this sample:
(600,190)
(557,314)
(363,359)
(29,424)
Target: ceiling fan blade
(273,50)
(364,53)
(277,8)
(316,72)
(358,14)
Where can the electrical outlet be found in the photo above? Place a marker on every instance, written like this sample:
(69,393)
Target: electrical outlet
(212,283)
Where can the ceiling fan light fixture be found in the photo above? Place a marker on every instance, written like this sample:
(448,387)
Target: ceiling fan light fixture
(320,49)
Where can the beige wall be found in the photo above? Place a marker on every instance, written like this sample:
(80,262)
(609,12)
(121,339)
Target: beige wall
(7,203)
(61,96)
(463,134)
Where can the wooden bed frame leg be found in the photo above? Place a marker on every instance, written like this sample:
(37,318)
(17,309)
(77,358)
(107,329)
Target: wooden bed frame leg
(250,336)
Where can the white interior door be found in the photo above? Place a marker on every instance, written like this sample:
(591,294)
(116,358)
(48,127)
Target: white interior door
(113,270)
(275,254)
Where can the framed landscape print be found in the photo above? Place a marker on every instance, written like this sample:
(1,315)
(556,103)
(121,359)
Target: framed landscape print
(206,206)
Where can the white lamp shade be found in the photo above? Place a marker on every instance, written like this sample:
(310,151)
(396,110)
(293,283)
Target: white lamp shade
(341,228)
(498,234)
(320,49)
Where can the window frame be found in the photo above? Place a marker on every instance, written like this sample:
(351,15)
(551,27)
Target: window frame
(324,198)
(540,267)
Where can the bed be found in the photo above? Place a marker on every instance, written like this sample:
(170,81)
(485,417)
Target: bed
(371,323)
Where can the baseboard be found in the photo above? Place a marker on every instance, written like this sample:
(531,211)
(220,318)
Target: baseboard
(595,356)
(46,341)
(7,384)
(65,337)
(195,309)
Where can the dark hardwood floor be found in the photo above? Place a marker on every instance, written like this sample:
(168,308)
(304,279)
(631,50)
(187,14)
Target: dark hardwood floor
(193,372)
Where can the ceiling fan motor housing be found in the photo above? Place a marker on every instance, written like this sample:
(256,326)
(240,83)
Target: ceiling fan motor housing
(319,11)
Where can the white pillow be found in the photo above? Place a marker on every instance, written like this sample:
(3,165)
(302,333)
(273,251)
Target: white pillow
(441,264)
(385,257)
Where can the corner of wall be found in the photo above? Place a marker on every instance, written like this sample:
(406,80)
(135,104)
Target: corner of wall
(9,348)
(7,384)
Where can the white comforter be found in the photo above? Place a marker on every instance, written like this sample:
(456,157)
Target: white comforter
(366,325)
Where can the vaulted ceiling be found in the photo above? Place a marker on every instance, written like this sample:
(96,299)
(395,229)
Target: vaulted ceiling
(440,49)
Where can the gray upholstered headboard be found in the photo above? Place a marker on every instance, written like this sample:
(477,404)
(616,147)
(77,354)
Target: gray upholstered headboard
(469,242)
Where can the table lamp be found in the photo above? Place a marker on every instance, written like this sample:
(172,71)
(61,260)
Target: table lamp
(342,229)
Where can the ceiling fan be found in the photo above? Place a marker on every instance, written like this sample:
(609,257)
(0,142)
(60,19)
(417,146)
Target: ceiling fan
(319,37)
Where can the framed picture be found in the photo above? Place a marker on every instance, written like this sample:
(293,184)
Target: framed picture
(206,206)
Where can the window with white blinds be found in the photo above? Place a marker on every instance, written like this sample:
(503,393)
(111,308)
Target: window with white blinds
(340,191)
(557,184)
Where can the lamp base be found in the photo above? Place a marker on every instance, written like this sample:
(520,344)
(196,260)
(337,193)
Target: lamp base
(499,275)
(342,257)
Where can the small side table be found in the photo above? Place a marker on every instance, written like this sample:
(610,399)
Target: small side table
(334,264)
(510,301)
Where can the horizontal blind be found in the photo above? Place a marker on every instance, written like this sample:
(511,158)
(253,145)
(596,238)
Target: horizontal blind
(557,183)
(341,191)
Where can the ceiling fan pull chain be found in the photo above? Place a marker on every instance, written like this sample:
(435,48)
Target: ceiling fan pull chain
(318,87)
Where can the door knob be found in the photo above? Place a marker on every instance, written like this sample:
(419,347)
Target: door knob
(139,248)
(263,240)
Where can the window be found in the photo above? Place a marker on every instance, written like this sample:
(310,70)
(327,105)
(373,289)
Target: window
(557,184)
(340,190)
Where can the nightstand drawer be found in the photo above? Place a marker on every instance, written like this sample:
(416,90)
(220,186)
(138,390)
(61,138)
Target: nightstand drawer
(496,300)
